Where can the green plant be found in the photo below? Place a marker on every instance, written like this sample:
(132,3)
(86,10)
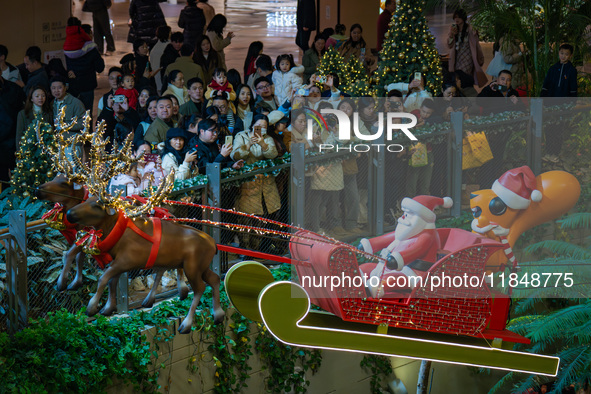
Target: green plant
(63,353)
(287,364)
(379,367)
(556,319)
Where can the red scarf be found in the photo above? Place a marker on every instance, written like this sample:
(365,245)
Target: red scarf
(225,88)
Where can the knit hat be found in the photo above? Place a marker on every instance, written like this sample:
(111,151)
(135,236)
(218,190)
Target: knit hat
(517,188)
(275,116)
(176,132)
(127,58)
(424,206)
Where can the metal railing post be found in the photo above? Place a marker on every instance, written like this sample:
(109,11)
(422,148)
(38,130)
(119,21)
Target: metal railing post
(122,293)
(214,173)
(297,185)
(16,271)
(455,141)
(375,188)
(534,135)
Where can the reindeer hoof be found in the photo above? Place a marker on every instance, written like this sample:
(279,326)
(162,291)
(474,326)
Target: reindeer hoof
(218,316)
(148,302)
(107,311)
(91,311)
(74,285)
(60,286)
(183,292)
(183,329)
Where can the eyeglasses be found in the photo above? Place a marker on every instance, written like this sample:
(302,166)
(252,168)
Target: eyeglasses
(263,87)
(213,131)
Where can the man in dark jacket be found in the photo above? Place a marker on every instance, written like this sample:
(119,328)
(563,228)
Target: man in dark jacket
(501,88)
(100,23)
(208,151)
(145,17)
(11,102)
(84,69)
(305,22)
(192,21)
(37,74)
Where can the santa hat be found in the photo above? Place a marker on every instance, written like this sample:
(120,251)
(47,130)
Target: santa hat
(517,188)
(424,206)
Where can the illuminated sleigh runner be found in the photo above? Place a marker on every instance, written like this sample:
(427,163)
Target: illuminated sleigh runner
(476,316)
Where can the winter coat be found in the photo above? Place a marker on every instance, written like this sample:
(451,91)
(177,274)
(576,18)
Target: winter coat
(310,63)
(251,193)
(131,94)
(512,55)
(285,83)
(124,180)
(477,56)
(218,43)
(156,133)
(306,14)
(38,77)
(328,176)
(187,66)
(85,68)
(23,121)
(74,108)
(560,81)
(181,172)
(182,95)
(146,16)
(192,20)
(12,74)
(209,153)
(97,5)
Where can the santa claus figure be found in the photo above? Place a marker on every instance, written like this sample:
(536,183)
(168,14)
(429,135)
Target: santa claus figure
(415,240)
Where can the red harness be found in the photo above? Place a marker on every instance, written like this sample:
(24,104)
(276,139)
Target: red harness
(123,222)
(56,218)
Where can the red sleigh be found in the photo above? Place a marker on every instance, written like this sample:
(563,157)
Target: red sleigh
(476,311)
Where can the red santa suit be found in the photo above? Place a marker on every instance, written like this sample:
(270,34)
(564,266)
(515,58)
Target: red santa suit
(422,242)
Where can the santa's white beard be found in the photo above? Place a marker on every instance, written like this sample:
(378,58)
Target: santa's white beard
(406,228)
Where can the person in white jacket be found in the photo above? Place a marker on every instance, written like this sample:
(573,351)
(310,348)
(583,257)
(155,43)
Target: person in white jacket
(176,151)
(286,77)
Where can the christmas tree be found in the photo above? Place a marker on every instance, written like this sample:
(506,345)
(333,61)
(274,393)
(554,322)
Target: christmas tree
(357,84)
(408,47)
(353,79)
(33,166)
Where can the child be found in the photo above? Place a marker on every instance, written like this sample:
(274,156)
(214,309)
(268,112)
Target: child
(220,83)
(77,43)
(129,183)
(126,88)
(560,81)
(286,78)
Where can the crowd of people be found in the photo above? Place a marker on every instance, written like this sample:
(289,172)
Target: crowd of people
(185,109)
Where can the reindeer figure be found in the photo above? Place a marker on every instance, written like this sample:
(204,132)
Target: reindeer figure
(65,190)
(132,240)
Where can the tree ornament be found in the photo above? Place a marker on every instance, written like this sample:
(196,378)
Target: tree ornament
(424,69)
(401,56)
(404,29)
(26,194)
(414,59)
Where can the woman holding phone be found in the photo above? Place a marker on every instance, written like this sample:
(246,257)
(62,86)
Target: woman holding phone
(260,196)
(177,155)
(465,52)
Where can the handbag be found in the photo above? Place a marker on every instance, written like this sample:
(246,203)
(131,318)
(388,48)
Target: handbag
(497,64)
(475,151)
(419,156)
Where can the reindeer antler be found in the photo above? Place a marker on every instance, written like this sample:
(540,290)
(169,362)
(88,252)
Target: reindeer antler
(65,159)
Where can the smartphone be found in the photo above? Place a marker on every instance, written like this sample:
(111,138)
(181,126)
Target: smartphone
(418,76)
(502,88)
(228,139)
(257,130)
(151,157)
(303,92)
(321,79)
(454,25)
(193,150)
(120,98)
